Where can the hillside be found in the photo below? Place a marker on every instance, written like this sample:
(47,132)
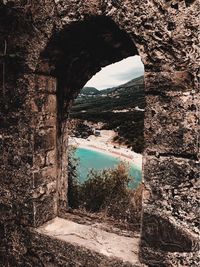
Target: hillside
(121,108)
(89,91)
(129,95)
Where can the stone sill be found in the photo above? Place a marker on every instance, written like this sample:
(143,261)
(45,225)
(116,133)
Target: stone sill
(88,237)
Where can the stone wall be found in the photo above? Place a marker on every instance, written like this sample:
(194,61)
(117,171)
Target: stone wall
(48,51)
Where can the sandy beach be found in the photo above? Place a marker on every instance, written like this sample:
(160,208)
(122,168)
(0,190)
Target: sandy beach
(103,144)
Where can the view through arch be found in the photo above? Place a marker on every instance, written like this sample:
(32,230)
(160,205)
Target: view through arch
(106,143)
(94,43)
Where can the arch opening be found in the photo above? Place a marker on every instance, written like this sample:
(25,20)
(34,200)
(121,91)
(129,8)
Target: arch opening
(73,56)
(106,142)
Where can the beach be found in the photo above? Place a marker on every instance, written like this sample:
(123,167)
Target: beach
(104,144)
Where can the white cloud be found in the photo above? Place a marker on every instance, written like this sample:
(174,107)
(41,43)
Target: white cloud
(117,73)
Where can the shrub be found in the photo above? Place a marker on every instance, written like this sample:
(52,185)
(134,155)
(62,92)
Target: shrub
(73,182)
(102,187)
(107,191)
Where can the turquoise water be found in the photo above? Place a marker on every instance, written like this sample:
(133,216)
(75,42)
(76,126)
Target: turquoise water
(91,159)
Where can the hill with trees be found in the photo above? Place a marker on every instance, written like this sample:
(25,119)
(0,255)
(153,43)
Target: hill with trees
(89,91)
(120,108)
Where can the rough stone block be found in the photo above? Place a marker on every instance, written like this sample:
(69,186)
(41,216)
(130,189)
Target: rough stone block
(45,159)
(43,103)
(24,211)
(44,176)
(18,145)
(34,212)
(17,239)
(16,207)
(33,93)
(20,202)
(42,122)
(158,258)
(1,148)
(5,205)
(162,233)
(170,171)
(167,182)
(9,123)
(45,140)
(171,124)
(37,84)
(92,8)
(58,248)
(51,158)
(161,82)
(152,257)
(183,259)
(39,160)
(45,209)
(18,160)
(45,84)
(3,250)
(15,183)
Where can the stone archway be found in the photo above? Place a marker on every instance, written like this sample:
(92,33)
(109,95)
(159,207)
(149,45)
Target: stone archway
(73,56)
(33,89)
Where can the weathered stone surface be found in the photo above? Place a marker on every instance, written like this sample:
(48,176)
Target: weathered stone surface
(179,176)
(24,130)
(96,241)
(47,53)
(44,140)
(160,259)
(50,157)
(164,242)
(161,82)
(44,175)
(166,235)
(175,172)
(3,251)
(64,254)
(43,103)
(38,247)
(171,124)
(45,207)
(184,259)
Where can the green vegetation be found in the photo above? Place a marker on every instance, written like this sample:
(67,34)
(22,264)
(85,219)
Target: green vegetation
(73,182)
(106,192)
(78,129)
(117,109)
(89,91)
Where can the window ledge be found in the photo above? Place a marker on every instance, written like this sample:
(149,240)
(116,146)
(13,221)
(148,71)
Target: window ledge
(94,239)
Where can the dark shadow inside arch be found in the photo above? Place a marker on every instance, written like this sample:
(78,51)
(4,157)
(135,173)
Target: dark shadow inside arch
(77,52)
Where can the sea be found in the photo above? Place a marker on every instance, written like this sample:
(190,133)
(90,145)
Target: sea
(92,159)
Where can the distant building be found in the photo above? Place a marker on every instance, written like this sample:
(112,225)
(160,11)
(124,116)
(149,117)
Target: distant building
(97,133)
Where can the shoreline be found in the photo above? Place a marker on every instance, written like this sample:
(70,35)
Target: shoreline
(121,153)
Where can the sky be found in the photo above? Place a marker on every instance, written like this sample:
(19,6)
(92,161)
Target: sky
(117,73)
